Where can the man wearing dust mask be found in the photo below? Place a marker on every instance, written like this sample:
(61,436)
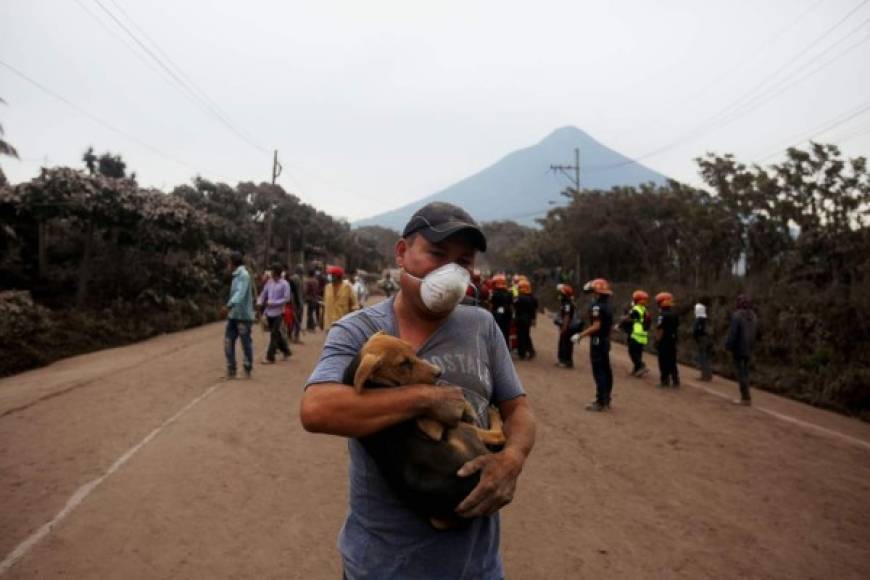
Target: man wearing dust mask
(381,538)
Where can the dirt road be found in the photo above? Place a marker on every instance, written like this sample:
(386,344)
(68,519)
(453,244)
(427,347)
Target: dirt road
(138,462)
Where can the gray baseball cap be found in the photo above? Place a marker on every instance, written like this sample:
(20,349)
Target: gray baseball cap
(439,220)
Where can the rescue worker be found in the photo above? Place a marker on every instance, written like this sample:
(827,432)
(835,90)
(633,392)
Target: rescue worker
(640,321)
(501,306)
(565,319)
(526,309)
(666,340)
(601,321)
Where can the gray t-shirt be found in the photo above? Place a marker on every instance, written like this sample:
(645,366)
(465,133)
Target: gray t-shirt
(381,538)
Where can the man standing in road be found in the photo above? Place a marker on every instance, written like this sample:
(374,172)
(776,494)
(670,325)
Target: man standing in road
(239,311)
(601,319)
(381,537)
(275,294)
(742,334)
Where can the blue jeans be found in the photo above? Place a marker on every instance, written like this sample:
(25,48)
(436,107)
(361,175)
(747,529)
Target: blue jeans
(238,329)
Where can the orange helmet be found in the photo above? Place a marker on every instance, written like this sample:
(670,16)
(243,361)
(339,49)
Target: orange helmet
(565,289)
(664,299)
(499,281)
(524,287)
(599,286)
(640,297)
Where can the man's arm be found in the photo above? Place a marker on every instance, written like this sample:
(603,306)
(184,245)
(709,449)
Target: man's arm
(499,471)
(337,409)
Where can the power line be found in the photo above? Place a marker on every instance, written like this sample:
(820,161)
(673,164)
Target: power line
(823,128)
(96,119)
(183,85)
(728,112)
(185,76)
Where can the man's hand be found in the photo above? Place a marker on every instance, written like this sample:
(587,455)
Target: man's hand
(224,311)
(498,481)
(447,405)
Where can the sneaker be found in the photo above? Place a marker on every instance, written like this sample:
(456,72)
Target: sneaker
(663,385)
(266,361)
(642,372)
(743,402)
(247,373)
(286,355)
(597,407)
(229,376)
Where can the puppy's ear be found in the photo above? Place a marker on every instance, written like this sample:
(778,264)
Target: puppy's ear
(368,365)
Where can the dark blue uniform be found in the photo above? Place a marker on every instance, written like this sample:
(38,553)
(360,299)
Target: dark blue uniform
(668,322)
(599,349)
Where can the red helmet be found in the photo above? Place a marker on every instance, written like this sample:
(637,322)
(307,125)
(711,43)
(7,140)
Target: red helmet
(565,289)
(336,271)
(664,299)
(599,286)
(640,297)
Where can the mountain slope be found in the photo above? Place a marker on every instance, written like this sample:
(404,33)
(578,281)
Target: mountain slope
(520,186)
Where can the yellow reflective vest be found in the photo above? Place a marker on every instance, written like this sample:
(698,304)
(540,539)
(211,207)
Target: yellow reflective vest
(638,333)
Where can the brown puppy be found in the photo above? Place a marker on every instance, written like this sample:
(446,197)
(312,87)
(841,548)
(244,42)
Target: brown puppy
(420,458)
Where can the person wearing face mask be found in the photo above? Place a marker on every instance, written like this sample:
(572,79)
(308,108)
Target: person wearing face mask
(381,538)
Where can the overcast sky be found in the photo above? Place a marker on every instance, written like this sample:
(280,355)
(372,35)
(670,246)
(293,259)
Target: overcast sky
(375,104)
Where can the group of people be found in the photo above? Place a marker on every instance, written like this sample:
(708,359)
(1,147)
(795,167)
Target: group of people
(381,537)
(321,297)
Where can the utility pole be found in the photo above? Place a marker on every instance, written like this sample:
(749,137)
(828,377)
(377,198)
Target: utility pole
(564,169)
(276,171)
(276,167)
(575,179)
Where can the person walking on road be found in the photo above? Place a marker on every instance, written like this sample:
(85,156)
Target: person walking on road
(601,321)
(239,311)
(565,353)
(703,340)
(666,340)
(640,321)
(526,309)
(338,297)
(382,538)
(744,331)
(276,293)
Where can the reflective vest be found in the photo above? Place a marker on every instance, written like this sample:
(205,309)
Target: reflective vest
(638,333)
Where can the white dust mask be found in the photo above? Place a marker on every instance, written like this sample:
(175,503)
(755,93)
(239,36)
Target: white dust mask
(444,288)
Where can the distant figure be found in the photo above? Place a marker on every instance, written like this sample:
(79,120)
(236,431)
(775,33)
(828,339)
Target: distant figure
(239,311)
(360,291)
(388,285)
(338,297)
(296,292)
(666,340)
(310,293)
(640,321)
(701,334)
(275,294)
(601,321)
(526,308)
(742,334)
(565,349)
(501,306)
